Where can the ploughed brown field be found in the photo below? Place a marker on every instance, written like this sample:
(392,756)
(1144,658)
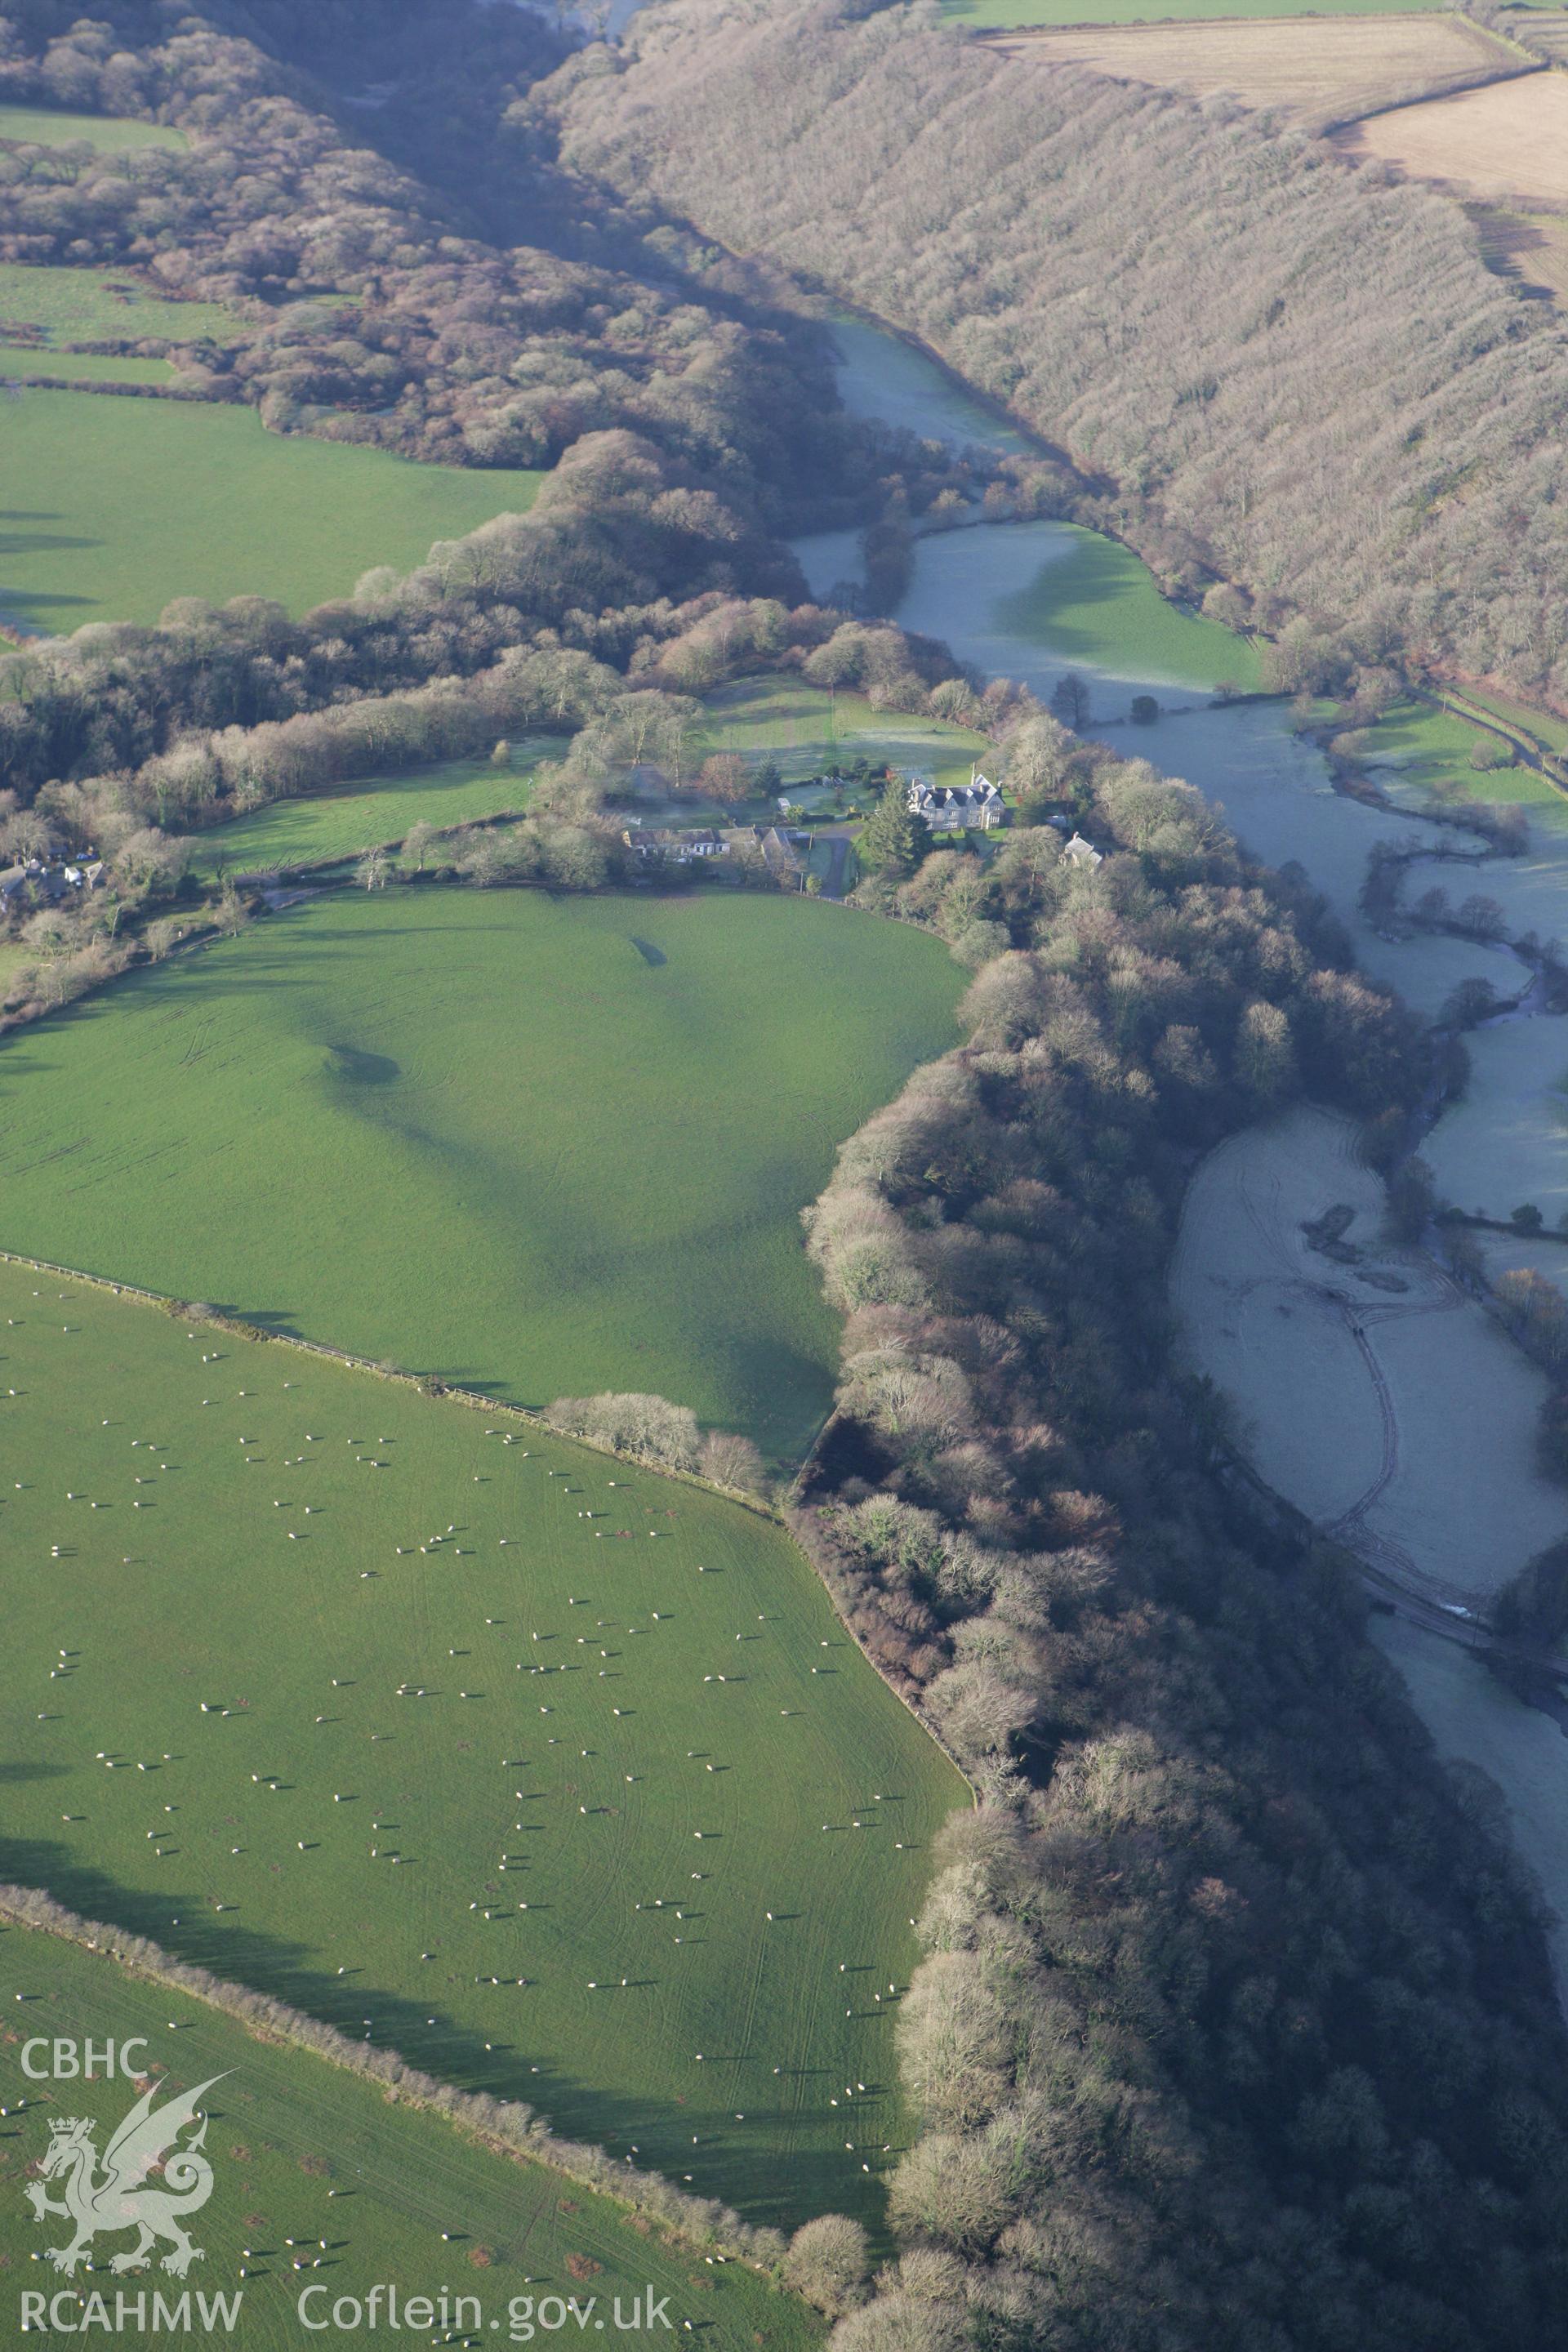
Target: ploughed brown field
(1321,70)
(1508,140)
(1506,148)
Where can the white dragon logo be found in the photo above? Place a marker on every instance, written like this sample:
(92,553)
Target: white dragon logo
(117,2198)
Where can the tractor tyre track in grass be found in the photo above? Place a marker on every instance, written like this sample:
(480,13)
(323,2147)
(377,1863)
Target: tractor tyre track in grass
(1351,1528)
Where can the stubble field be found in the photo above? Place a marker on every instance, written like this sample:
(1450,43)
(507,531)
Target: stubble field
(1508,139)
(1010,15)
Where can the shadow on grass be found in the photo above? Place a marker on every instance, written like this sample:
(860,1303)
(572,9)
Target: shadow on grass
(673,2136)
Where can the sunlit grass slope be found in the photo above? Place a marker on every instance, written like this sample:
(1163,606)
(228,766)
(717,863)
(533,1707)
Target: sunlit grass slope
(50,126)
(553,1145)
(371,810)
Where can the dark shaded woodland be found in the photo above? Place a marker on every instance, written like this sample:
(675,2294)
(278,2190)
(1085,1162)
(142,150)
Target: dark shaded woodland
(1234,2031)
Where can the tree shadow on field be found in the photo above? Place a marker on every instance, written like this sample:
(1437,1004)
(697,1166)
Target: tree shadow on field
(778,1395)
(29,543)
(1078,584)
(735,2155)
(32,604)
(355,1067)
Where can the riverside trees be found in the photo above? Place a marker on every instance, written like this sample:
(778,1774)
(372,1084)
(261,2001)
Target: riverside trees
(1225,1990)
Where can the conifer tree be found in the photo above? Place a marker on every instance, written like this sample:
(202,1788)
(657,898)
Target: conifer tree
(895,839)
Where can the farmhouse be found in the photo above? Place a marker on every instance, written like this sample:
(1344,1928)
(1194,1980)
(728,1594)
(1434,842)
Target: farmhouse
(1079,852)
(973,807)
(33,883)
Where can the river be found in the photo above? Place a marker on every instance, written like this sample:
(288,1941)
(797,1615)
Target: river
(1372,1393)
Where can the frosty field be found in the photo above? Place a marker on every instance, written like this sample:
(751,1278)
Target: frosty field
(1409,1437)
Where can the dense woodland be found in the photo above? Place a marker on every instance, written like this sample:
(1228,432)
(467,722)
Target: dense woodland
(1234,2030)
(1299,375)
(374,311)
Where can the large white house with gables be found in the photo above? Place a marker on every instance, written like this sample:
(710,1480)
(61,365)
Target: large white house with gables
(975,808)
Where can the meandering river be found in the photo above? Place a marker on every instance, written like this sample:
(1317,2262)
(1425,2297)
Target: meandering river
(1370,1390)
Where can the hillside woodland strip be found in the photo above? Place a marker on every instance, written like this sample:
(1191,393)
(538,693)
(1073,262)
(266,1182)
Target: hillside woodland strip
(1302,377)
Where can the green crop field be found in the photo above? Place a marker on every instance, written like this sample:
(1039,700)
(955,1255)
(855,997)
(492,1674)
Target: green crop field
(103,305)
(1100,605)
(49,126)
(328,2188)
(1013,16)
(307,1731)
(372,811)
(115,506)
(555,1145)
(805,727)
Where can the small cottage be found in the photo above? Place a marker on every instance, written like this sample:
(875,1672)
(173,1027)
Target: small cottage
(1079,852)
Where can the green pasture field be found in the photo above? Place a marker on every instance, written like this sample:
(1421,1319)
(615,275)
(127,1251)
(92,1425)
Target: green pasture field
(803,727)
(115,507)
(1100,605)
(372,811)
(312,1732)
(1015,15)
(1429,750)
(1551,730)
(21,363)
(554,1145)
(100,305)
(300,2149)
(49,126)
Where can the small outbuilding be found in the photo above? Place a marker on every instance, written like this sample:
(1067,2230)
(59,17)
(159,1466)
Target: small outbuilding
(1079,852)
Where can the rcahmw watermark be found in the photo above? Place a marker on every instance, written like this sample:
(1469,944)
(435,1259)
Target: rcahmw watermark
(527,2315)
(68,2311)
